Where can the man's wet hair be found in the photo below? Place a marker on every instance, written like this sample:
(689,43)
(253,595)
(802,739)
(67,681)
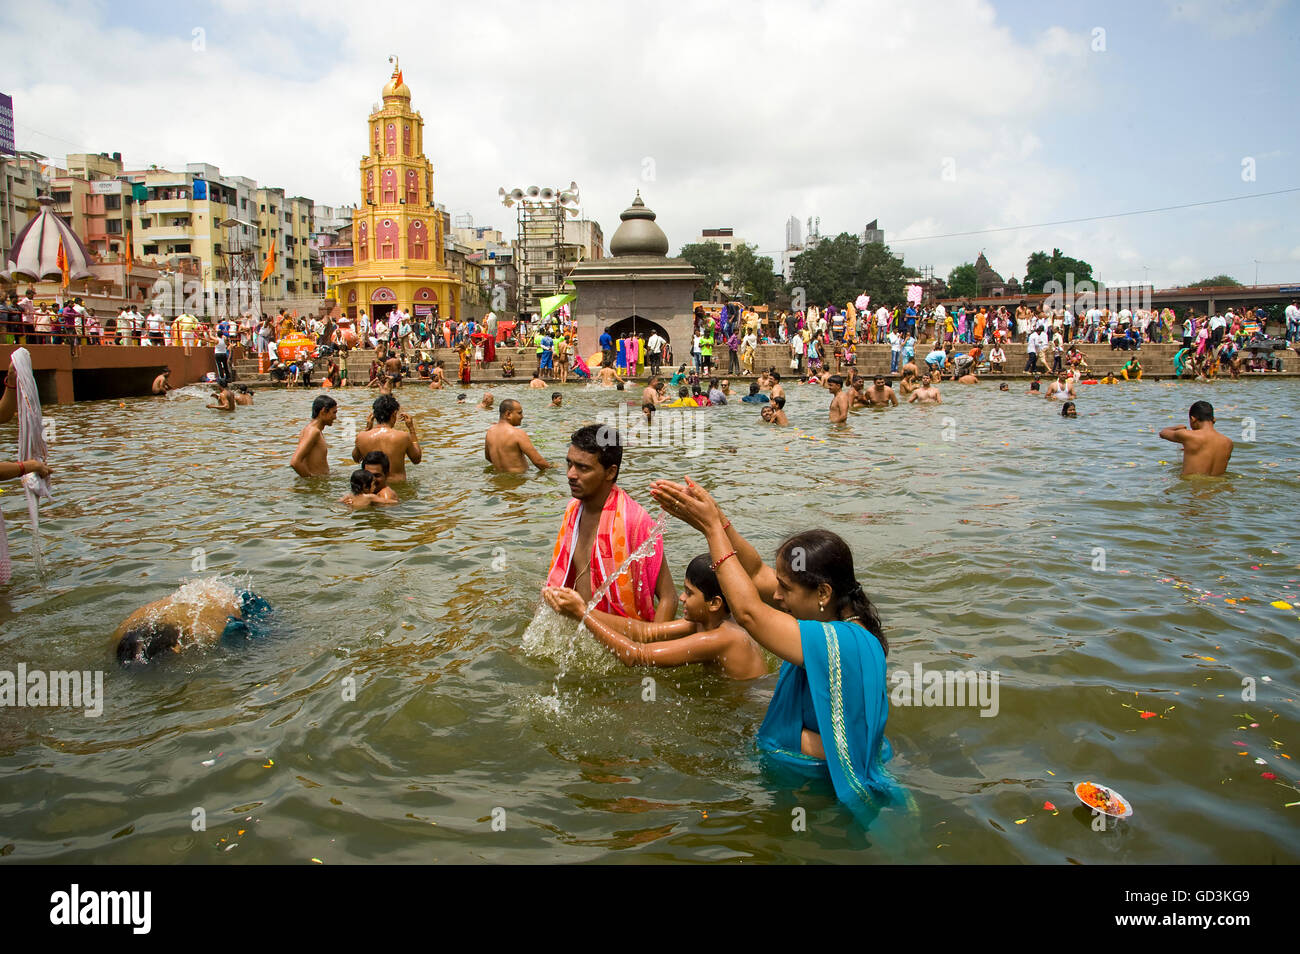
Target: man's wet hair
(555,394)
(1201,411)
(147,641)
(322,403)
(363,481)
(774,374)
(508,405)
(835,379)
(1033,386)
(385,407)
(603,440)
(376,457)
(753,387)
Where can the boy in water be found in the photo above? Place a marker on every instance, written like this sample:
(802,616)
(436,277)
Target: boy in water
(311,458)
(383,435)
(705,634)
(1205,450)
(364,492)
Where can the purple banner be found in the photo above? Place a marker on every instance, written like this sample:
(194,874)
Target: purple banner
(7,125)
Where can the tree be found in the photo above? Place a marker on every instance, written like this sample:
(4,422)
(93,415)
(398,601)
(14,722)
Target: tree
(838,269)
(881,274)
(752,276)
(710,261)
(963,281)
(1042,268)
(1220,281)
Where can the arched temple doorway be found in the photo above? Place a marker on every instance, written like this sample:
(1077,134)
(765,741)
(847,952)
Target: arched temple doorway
(637,327)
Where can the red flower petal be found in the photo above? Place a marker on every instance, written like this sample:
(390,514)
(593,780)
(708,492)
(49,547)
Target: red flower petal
(1268,775)
(1242,744)
(1048,806)
(1148,715)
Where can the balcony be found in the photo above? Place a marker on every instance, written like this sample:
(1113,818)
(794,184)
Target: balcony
(165,206)
(164,232)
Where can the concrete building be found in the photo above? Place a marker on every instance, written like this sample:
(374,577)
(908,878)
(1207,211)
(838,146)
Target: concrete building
(873,233)
(21,181)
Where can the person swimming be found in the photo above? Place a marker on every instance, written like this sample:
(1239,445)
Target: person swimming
(1068,410)
(198,615)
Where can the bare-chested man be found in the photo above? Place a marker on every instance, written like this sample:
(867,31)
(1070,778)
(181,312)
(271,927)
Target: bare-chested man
(1205,450)
(537,383)
(383,435)
(967,378)
(608,376)
(485,402)
(437,377)
(393,366)
(223,396)
(839,399)
(777,389)
(908,382)
(507,445)
(1062,387)
(243,396)
(927,393)
(161,384)
(650,394)
(880,394)
(311,459)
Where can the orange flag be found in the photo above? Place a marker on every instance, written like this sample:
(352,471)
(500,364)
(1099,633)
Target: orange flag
(399,79)
(63,263)
(270,263)
(130,255)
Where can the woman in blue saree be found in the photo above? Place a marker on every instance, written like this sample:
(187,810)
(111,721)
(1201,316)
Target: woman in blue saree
(828,712)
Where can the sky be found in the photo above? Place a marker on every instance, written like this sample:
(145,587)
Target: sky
(933,116)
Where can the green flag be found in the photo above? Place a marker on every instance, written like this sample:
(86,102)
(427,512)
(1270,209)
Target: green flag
(555,301)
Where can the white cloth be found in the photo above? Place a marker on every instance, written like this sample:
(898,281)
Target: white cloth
(31,445)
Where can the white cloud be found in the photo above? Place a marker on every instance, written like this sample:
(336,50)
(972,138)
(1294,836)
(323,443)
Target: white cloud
(1225,18)
(750,113)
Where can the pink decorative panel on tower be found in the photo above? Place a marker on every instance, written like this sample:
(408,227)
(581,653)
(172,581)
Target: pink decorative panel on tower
(406,139)
(412,187)
(389,178)
(363,246)
(386,239)
(390,139)
(417,245)
(370,186)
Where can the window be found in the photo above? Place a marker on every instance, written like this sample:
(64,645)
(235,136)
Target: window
(181,247)
(63,197)
(151,250)
(243,204)
(263,233)
(146,223)
(113,226)
(112,202)
(726,246)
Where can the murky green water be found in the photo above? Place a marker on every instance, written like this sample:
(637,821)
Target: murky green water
(978,551)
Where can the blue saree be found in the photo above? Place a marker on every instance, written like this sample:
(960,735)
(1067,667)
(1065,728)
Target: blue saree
(840,693)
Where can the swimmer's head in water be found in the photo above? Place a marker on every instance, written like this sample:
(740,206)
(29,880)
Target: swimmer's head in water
(702,590)
(512,411)
(815,580)
(753,387)
(142,643)
(1033,386)
(1004,386)
(385,408)
(322,405)
(363,481)
(766,412)
(378,464)
(835,381)
(1201,411)
(1067,410)
(778,402)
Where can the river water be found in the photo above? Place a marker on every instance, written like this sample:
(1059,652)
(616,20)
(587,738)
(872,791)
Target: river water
(414,705)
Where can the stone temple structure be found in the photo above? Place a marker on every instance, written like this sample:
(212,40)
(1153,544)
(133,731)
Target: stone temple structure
(638,289)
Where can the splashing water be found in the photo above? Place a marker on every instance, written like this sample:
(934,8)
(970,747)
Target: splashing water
(640,553)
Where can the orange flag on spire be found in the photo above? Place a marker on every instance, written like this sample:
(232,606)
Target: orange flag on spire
(270,263)
(63,263)
(399,78)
